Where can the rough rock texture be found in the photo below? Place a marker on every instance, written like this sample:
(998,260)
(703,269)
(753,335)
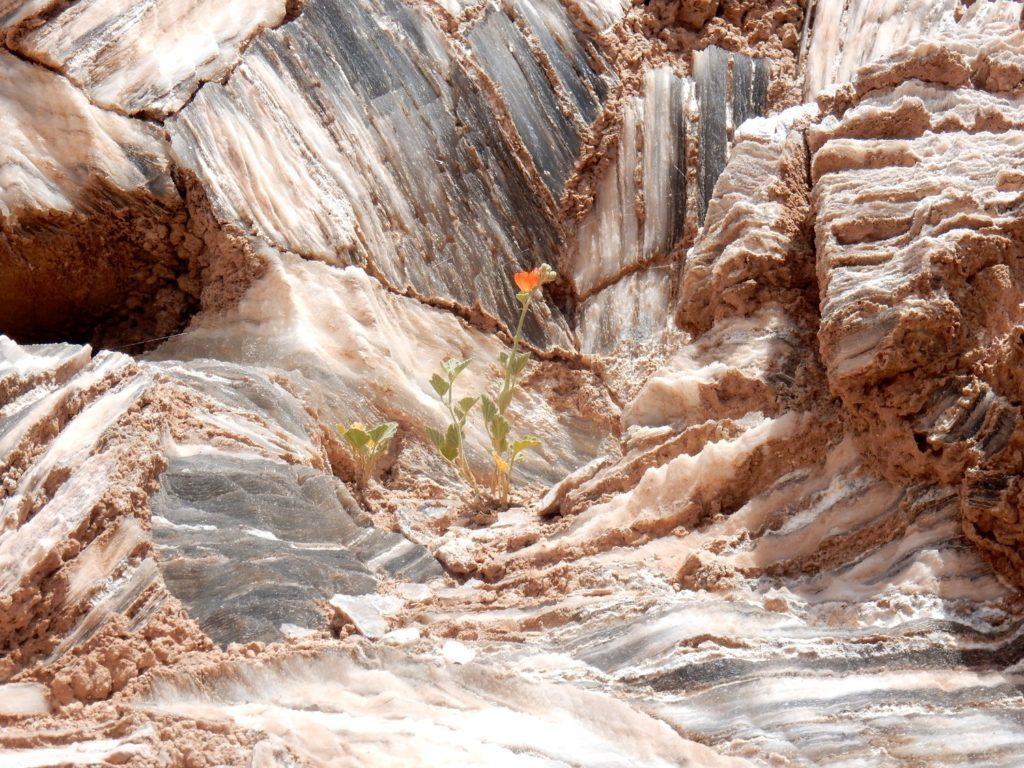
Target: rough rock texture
(775,520)
(918,241)
(145,58)
(91,224)
(844,35)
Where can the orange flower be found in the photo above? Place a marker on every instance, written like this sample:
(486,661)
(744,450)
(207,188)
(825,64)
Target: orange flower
(528,281)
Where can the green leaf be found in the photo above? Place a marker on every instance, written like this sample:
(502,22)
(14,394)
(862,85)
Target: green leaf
(524,443)
(450,449)
(440,385)
(518,363)
(465,405)
(488,409)
(454,367)
(436,438)
(384,431)
(499,429)
(356,437)
(523,297)
(504,399)
(445,444)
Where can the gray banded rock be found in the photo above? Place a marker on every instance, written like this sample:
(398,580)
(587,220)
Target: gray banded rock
(244,527)
(518,46)
(145,57)
(639,208)
(628,245)
(731,88)
(359,134)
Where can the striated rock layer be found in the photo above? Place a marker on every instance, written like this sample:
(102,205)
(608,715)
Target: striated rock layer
(775,516)
(92,227)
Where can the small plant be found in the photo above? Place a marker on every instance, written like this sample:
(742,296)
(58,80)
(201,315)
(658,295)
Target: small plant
(505,450)
(451,443)
(367,446)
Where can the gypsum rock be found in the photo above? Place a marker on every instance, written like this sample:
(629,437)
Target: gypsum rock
(814,549)
(923,283)
(454,714)
(730,684)
(824,614)
(596,15)
(146,58)
(636,309)
(677,495)
(24,699)
(986,36)
(549,117)
(731,88)
(73,554)
(774,558)
(13,12)
(745,373)
(143,744)
(639,216)
(912,240)
(842,36)
(639,208)
(393,154)
(741,364)
(828,594)
(754,249)
(369,358)
(91,224)
(252,541)
(251,546)
(603,14)
(234,513)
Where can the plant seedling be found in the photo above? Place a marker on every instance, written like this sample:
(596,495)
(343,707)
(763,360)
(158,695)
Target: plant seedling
(367,446)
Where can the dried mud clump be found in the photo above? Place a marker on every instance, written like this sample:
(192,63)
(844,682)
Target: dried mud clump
(661,30)
(750,26)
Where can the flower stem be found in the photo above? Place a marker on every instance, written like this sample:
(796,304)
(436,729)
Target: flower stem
(509,382)
(463,465)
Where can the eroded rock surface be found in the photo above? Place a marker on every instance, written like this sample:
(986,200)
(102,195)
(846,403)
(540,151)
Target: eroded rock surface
(775,519)
(918,235)
(147,58)
(92,226)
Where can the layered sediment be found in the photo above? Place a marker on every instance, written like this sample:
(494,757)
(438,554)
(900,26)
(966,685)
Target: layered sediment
(92,244)
(775,516)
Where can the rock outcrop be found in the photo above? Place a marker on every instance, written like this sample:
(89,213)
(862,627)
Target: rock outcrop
(775,518)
